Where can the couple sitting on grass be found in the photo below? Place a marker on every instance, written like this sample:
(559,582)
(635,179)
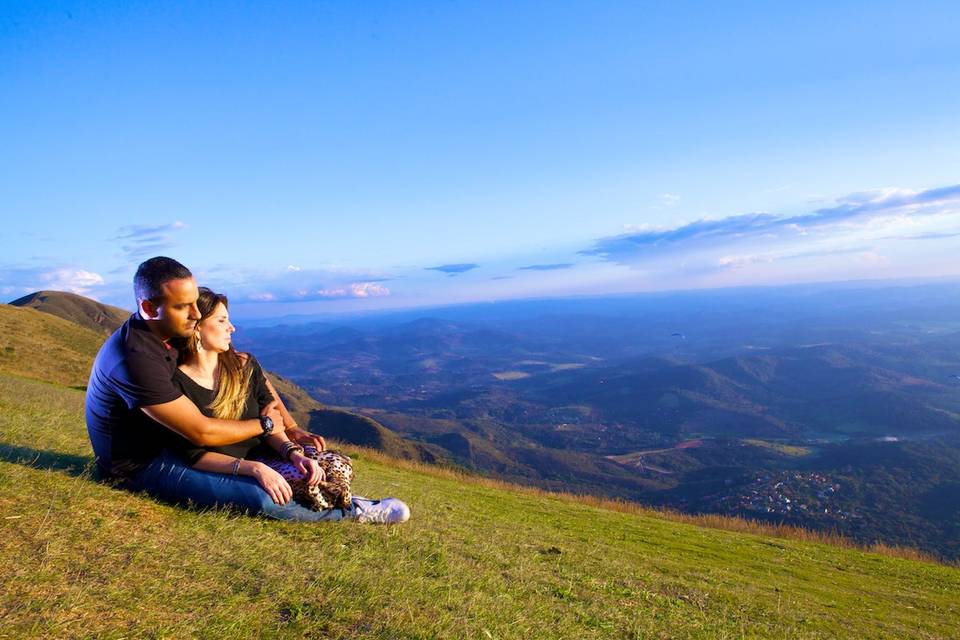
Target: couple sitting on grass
(174,410)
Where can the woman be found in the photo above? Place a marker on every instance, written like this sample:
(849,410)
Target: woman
(224,383)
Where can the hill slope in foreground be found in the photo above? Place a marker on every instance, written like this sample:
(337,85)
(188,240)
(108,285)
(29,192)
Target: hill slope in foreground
(478,559)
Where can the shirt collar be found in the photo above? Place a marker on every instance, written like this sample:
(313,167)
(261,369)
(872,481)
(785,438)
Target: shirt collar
(139,324)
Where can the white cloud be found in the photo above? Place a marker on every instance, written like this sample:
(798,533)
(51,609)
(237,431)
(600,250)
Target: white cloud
(643,227)
(332,293)
(355,290)
(741,261)
(368,290)
(854,218)
(294,283)
(77,281)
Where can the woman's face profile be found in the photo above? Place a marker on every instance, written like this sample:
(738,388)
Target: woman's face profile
(215,330)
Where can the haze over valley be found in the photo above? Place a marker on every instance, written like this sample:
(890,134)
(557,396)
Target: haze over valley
(830,406)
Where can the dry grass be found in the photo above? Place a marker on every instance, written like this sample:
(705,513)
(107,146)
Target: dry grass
(480,559)
(44,347)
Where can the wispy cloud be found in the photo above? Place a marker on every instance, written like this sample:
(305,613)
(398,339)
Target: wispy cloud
(141,241)
(740,261)
(669,199)
(546,267)
(351,290)
(926,236)
(454,269)
(355,290)
(137,231)
(780,189)
(299,284)
(856,211)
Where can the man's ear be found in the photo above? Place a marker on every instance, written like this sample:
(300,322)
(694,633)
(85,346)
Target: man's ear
(148,310)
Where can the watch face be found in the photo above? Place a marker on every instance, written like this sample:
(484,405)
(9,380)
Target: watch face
(267,423)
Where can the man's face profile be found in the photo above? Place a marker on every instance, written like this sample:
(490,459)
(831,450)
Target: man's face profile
(176,313)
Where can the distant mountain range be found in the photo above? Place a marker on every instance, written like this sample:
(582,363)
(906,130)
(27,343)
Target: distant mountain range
(704,404)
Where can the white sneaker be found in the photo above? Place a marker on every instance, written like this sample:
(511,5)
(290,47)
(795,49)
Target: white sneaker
(386,511)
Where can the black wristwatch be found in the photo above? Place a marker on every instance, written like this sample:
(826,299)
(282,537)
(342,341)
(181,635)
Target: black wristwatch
(266,424)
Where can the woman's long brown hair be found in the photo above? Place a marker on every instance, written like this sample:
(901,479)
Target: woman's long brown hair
(234,371)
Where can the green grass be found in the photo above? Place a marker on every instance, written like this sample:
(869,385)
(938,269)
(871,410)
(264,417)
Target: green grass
(79,559)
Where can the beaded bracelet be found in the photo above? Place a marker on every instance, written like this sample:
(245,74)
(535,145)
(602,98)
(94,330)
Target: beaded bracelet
(289,447)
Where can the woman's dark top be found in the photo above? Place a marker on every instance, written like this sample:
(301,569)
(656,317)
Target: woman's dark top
(258,397)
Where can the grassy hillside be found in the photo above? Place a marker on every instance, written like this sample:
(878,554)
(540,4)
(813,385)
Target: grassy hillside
(42,346)
(93,315)
(79,559)
(479,558)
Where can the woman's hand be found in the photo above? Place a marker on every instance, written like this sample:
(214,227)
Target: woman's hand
(272,482)
(305,438)
(308,467)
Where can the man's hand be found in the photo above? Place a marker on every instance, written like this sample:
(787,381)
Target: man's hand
(306,438)
(272,411)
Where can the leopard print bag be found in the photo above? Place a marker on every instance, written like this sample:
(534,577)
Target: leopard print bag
(332,493)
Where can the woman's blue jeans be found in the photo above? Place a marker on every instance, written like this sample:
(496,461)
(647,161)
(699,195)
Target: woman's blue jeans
(170,479)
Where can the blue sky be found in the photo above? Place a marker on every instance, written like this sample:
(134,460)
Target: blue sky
(311,157)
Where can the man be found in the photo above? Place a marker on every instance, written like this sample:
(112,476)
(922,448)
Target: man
(133,409)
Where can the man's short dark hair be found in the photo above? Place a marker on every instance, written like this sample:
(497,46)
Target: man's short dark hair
(152,274)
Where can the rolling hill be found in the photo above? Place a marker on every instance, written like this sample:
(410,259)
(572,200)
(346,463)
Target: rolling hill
(478,559)
(99,317)
(38,345)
